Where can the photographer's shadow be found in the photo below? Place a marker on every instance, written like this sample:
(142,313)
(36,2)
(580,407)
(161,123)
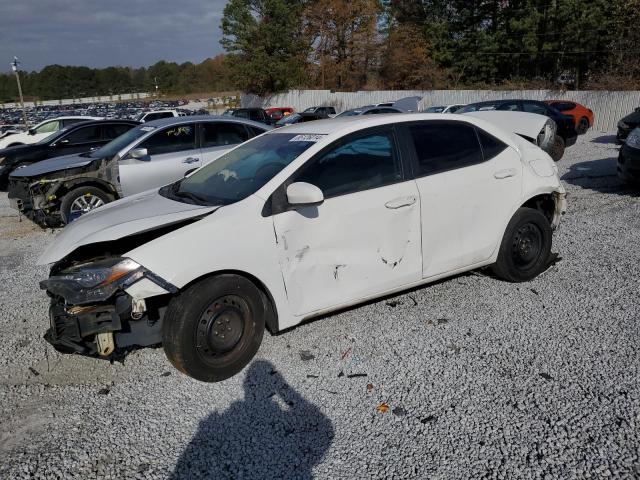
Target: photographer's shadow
(273,433)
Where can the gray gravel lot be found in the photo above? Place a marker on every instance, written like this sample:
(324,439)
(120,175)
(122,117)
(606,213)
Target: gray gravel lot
(483,379)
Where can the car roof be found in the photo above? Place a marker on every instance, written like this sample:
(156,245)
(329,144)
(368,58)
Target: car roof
(101,122)
(168,122)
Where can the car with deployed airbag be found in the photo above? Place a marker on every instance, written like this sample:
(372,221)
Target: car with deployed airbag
(296,223)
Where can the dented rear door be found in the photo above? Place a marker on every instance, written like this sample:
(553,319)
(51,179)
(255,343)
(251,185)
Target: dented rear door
(364,239)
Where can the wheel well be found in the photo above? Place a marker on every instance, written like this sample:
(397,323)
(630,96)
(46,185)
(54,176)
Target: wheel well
(272,316)
(544,203)
(66,188)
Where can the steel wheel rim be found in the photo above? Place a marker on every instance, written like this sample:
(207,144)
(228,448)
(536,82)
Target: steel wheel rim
(526,246)
(221,327)
(85,203)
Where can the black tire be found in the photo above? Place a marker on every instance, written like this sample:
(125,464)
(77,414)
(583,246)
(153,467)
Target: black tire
(191,337)
(583,126)
(557,149)
(87,192)
(525,248)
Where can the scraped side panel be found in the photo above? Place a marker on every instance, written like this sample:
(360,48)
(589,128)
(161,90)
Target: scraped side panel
(350,247)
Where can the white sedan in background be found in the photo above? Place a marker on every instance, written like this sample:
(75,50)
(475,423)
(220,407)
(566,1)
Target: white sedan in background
(42,130)
(295,223)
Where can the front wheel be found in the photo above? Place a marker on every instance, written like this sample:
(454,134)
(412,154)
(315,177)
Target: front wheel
(583,126)
(80,201)
(525,248)
(212,330)
(557,149)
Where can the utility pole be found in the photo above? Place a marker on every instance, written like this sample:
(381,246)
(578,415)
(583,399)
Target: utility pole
(14,67)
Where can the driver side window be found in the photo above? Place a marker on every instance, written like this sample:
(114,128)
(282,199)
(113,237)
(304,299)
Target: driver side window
(173,139)
(357,164)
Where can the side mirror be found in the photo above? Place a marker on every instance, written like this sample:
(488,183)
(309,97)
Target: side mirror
(31,131)
(302,194)
(139,154)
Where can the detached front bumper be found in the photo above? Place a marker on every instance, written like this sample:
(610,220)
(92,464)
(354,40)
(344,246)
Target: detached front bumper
(131,316)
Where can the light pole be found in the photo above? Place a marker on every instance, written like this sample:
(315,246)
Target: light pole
(14,67)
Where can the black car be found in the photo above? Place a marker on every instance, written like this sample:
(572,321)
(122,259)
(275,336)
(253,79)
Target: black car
(566,128)
(629,158)
(77,138)
(299,118)
(627,124)
(255,114)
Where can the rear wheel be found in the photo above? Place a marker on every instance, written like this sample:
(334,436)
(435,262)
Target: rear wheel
(557,149)
(212,330)
(525,248)
(583,126)
(81,200)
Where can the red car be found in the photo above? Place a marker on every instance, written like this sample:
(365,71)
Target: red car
(276,113)
(582,116)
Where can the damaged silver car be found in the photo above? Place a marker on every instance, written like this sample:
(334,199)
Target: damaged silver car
(58,191)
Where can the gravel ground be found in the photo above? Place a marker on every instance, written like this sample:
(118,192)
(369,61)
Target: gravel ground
(482,379)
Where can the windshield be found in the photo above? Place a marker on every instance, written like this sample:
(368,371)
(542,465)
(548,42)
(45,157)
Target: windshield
(350,113)
(434,110)
(289,119)
(53,137)
(242,171)
(310,110)
(117,144)
(477,107)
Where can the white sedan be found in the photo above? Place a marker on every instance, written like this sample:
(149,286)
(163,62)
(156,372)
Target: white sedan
(42,131)
(295,223)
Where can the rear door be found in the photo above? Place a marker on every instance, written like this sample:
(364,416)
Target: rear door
(469,182)
(172,152)
(217,138)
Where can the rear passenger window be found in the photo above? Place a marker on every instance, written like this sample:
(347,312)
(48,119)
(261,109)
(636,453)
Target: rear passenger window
(220,134)
(362,163)
(441,147)
(255,131)
(114,131)
(491,146)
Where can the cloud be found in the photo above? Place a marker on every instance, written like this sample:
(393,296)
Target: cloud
(100,33)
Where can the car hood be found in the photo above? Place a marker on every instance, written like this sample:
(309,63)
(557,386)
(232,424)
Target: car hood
(54,165)
(132,215)
(633,118)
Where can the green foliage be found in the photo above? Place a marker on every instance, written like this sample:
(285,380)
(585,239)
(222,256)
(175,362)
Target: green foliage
(265,50)
(57,81)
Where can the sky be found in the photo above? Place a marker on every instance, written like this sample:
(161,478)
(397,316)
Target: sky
(100,33)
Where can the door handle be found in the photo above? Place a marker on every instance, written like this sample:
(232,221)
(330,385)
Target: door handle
(190,160)
(400,202)
(506,173)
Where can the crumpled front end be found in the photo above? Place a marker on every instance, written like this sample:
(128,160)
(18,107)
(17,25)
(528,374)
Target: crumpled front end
(104,307)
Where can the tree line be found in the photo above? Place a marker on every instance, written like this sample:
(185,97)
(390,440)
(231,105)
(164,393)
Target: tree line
(275,45)
(57,81)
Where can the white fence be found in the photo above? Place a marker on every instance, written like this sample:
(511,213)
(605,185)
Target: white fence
(73,101)
(608,107)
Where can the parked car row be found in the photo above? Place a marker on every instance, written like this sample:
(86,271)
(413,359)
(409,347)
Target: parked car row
(132,158)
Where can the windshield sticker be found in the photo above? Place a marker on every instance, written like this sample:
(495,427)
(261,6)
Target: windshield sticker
(307,138)
(148,129)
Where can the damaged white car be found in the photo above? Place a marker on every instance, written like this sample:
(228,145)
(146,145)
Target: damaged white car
(295,223)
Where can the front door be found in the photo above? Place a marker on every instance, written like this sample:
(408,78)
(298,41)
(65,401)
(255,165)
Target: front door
(469,182)
(364,239)
(172,152)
